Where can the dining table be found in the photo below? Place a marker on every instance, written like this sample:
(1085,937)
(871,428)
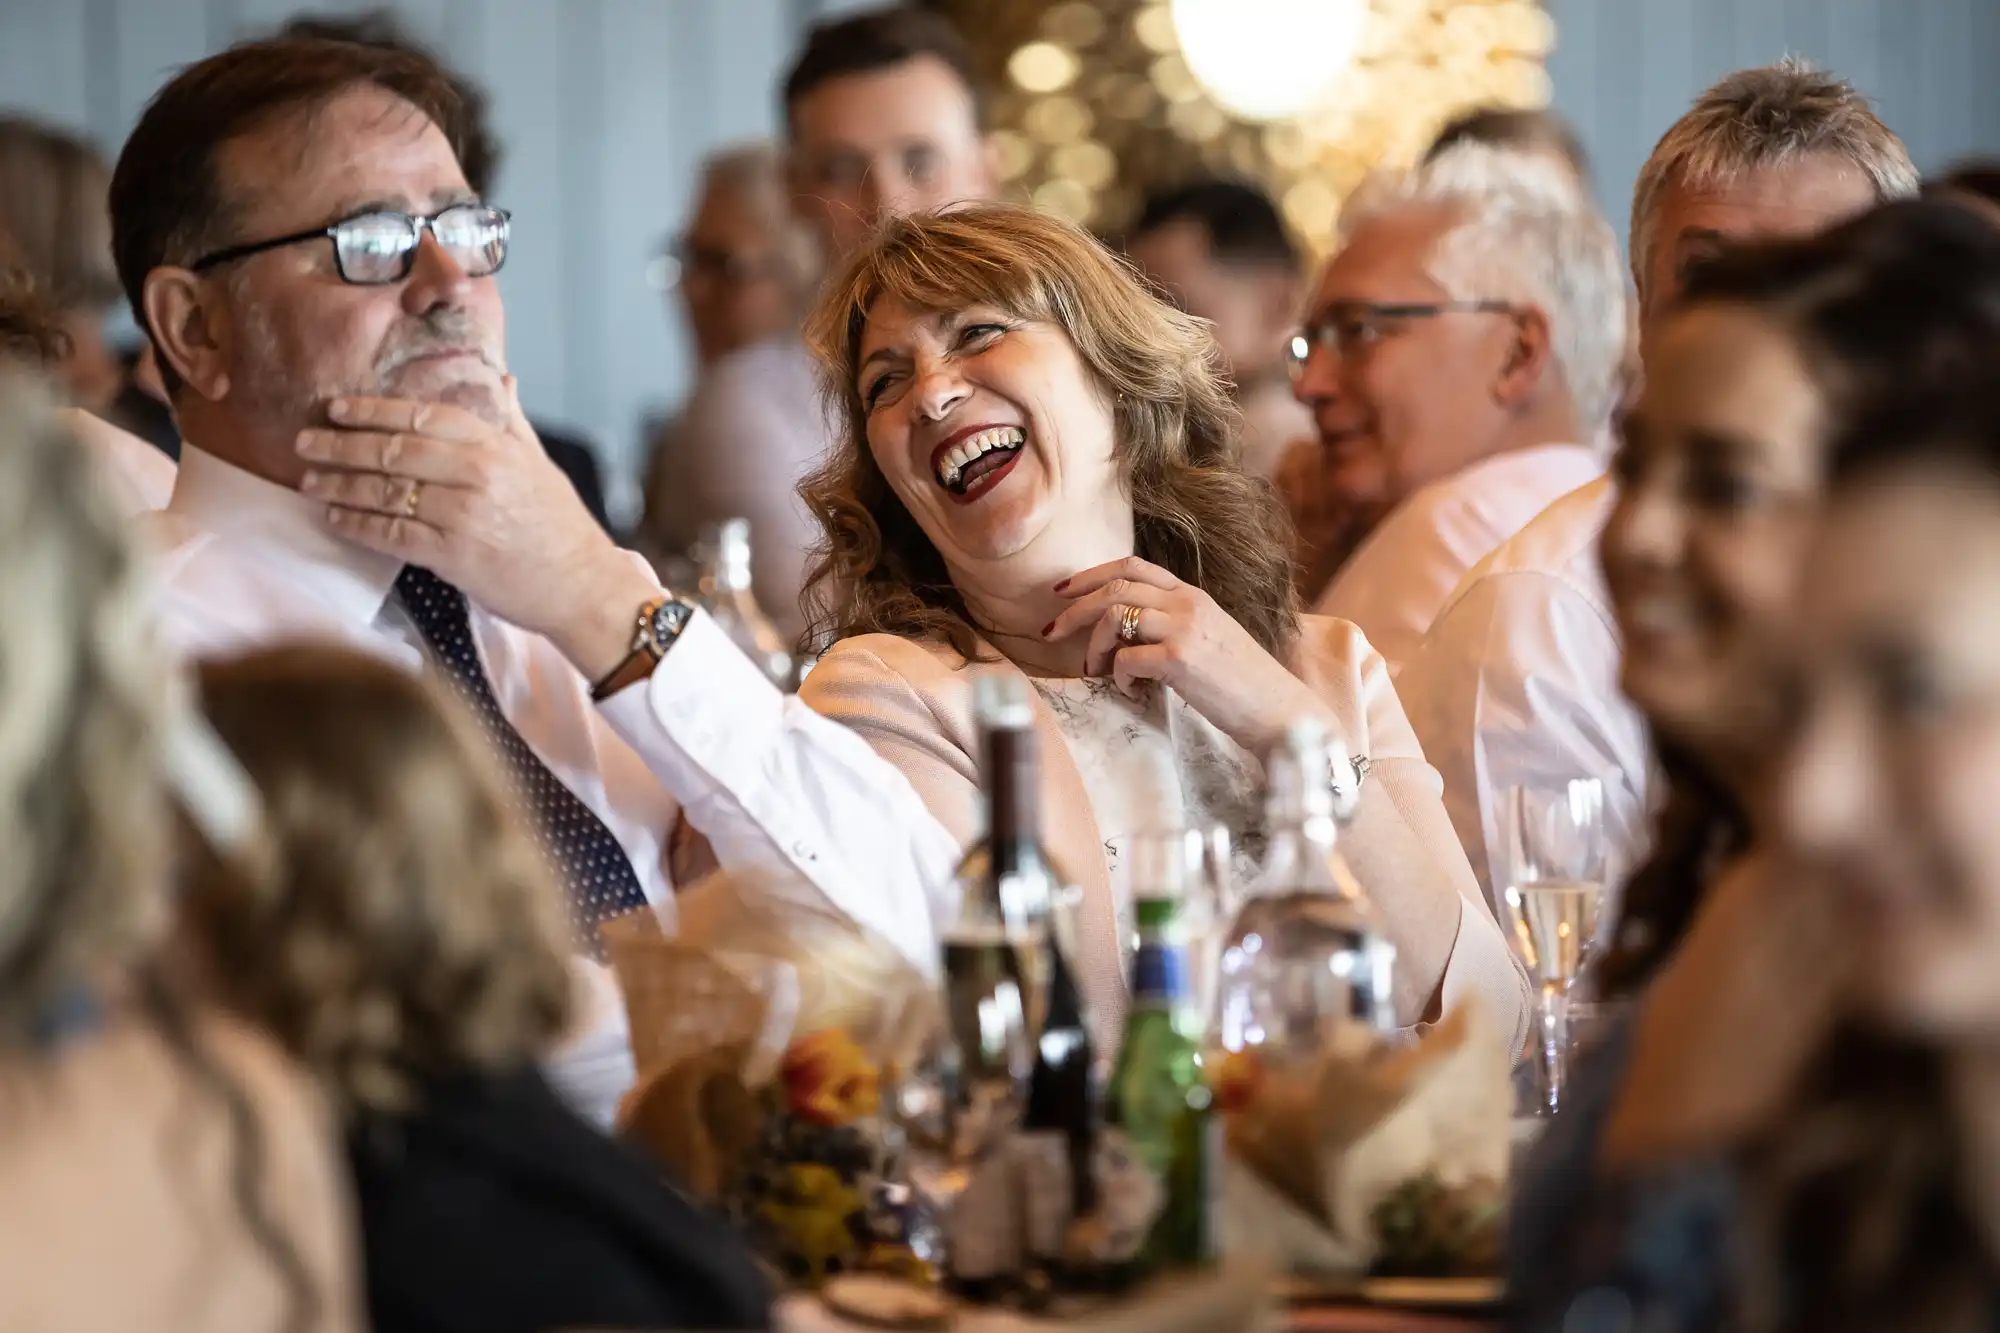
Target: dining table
(804,1313)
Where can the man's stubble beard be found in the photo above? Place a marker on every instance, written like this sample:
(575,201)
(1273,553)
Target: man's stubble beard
(277,396)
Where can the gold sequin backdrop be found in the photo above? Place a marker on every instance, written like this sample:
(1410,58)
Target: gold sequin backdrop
(1098,101)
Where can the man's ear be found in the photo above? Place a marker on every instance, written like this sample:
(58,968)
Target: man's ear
(189,328)
(1529,357)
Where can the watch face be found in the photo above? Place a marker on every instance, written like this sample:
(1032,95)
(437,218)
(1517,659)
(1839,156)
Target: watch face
(668,622)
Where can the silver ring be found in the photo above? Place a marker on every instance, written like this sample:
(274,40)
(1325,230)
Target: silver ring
(1128,624)
(412,498)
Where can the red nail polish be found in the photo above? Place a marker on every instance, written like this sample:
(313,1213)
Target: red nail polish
(1046,628)
(1062,585)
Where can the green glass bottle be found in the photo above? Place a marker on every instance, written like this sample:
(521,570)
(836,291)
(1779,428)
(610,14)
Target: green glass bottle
(1158,1100)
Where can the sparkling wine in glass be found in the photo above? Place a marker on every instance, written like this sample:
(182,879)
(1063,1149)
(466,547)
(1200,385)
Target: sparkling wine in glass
(1553,847)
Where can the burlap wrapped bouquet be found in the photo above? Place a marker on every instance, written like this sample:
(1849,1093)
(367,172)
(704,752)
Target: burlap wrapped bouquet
(1378,1158)
(765,1038)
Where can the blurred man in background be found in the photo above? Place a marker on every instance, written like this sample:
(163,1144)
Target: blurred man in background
(1517,682)
(883,116)
(746,268)
(1219,250)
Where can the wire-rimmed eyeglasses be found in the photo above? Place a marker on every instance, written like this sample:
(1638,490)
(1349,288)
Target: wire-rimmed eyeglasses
(1342,328)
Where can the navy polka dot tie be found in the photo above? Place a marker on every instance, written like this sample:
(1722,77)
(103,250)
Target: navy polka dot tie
(599,874)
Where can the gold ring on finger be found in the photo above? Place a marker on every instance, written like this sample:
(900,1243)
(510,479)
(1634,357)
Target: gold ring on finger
(1128,624)
(412,498)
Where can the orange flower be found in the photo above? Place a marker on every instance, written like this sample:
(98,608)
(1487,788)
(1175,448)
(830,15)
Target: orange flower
(1237,1080)
(829,1080)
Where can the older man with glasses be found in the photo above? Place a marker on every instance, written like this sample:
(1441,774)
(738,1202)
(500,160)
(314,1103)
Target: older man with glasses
(1462,347)
(294,230)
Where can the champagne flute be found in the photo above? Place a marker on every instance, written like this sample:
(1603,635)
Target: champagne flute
(1553,854)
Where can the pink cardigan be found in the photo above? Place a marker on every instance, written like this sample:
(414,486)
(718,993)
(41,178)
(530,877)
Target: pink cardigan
(912,701)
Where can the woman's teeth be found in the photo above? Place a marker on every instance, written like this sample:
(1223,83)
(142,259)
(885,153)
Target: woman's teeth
(951,467)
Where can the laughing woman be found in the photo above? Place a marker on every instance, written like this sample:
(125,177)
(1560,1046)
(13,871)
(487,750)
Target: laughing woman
(1038,471)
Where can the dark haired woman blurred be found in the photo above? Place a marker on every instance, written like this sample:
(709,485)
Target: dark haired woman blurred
(1721,475)
(1872,1200)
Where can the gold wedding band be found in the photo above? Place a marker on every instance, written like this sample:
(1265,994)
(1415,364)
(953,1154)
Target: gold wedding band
(1128,624)
(412,498)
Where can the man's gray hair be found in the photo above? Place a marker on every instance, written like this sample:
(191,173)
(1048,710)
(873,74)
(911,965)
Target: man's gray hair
(1524,232)
(1770,116)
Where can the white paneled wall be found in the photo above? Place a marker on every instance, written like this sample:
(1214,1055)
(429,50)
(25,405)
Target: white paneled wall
(605,107)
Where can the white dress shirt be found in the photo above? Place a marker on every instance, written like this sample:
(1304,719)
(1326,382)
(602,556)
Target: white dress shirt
(753,427)
(244,564)
(1517,685)
(1395,585)
(136,475)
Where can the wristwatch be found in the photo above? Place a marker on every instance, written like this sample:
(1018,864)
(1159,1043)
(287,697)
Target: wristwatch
(659,624)
(1345,775)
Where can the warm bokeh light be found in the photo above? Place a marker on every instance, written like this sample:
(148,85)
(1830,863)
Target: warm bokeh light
(1099,100)
(1268,59)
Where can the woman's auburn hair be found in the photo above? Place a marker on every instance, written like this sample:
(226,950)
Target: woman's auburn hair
(1197,513)
(400,927)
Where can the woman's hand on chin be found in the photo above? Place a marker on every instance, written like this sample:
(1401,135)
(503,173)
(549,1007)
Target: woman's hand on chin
(1184,640)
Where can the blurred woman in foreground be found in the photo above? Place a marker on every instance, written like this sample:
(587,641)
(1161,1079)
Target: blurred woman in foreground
(1873,1200)
(1038,470)
(1721,477)
(410,951)
(160,1166)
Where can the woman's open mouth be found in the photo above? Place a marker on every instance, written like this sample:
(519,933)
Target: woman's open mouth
(974,465)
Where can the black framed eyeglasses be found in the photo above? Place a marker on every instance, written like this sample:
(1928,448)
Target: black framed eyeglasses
(1343,328)
(370,249)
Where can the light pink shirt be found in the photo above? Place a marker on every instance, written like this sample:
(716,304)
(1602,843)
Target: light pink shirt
(1395,585)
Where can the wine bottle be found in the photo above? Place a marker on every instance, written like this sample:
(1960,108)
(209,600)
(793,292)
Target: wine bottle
(997,964)
(1158,1103)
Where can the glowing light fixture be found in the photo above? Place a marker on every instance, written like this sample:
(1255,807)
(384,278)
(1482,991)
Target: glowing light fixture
(1269,59)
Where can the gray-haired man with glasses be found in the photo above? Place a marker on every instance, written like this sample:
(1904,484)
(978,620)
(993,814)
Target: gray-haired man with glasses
(295,232)
(1461,353)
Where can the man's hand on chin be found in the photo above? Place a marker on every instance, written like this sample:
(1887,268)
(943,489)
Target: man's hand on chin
(482,507)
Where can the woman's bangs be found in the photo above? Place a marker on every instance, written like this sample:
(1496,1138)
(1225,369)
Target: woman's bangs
(951,278)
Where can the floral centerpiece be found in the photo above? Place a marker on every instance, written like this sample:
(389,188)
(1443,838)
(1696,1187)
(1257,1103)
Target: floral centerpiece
(765,1041)
(818,1192)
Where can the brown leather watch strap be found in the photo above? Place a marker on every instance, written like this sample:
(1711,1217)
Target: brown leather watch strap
(635,668)
(647,651)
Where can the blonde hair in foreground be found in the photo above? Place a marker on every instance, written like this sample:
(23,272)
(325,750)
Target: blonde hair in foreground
(84,711)
(1198,514)
(411,930)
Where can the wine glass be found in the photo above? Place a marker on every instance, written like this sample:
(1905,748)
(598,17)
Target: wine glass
(1552,854)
